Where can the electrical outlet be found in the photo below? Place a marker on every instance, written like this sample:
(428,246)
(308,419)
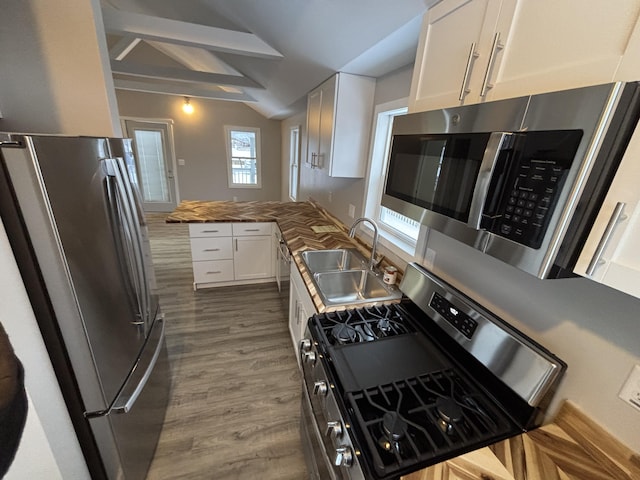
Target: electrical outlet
(181,162)
(352,211)
(630,391)
(330,196)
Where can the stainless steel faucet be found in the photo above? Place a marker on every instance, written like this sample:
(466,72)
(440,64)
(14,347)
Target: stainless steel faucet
(352,234)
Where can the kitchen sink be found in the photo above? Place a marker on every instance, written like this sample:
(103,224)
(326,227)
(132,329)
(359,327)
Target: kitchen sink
(348,287)
(331,260)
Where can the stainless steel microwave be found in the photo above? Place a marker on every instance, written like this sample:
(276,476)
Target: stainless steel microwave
(520,179)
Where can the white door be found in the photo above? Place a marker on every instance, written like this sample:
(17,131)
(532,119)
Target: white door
(154,164)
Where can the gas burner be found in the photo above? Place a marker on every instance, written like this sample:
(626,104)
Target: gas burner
(449,414)
(393,425)
(384,325)
(344,333)
(394,430)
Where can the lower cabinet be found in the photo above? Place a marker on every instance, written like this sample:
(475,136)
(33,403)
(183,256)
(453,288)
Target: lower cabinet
(301,307)
(231,253)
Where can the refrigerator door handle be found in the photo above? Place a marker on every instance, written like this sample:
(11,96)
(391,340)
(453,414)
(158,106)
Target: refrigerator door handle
(126,402)
(123,401)
(135,210)
(128,222)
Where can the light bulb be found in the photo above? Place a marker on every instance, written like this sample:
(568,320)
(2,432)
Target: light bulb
(187,107)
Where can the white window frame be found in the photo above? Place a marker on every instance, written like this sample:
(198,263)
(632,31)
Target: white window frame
(227,134)
(400,244)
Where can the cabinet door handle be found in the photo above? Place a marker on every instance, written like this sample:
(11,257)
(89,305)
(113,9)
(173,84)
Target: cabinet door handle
(467,71)
(616,217)
(211,249)
(216,272)
(236,244)
(497,45)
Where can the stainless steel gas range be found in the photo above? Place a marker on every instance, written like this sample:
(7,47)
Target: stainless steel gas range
(394,388)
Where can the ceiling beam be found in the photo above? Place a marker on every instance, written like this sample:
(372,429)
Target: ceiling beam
(123,47)
(184,33)
(181,90)
(181,75)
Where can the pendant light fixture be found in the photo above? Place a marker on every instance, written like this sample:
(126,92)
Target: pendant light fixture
(186,106)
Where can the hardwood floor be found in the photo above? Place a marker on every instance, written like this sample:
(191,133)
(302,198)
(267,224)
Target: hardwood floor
(234,410)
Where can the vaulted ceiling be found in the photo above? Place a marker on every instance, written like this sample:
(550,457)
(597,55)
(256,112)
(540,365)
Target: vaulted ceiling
(267,53)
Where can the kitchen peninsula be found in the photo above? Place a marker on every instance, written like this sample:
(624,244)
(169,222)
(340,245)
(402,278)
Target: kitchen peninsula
(304,226)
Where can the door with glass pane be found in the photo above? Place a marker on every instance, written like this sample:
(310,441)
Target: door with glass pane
(294,162)
(154,164)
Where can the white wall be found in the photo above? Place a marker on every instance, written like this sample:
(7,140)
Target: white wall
(55,76)
(199,140)
(48,444)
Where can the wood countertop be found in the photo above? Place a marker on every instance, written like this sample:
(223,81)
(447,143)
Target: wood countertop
(295,220)
(573,447)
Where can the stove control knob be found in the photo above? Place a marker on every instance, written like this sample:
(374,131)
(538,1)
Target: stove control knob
(334,429)
(309,357)
(305,345)
(320,388)
(344,457)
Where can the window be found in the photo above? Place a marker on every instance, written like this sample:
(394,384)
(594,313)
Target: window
(400,230)
(243,157)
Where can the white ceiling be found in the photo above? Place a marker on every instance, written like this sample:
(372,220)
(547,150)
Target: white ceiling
(268,53)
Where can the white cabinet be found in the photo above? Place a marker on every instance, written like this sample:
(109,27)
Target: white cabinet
(610,255)
(460,47)
(339,114)
(301,307)
(231,253)
(472,51)
(560,45)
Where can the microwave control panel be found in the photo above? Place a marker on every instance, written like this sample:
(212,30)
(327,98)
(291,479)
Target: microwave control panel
(537,173)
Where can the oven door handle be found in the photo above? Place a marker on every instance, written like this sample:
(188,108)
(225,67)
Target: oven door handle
(315,431)
(481,191)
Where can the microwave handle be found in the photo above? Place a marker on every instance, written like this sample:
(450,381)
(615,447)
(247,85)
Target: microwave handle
(495,145)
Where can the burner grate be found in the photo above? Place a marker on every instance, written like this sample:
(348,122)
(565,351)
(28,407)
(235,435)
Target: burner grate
(424,419)
(363,325)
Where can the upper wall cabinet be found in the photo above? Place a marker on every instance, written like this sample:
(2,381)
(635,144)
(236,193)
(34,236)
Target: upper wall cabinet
(339,116)
(560,45)
(472,51)
(460,46)
(610,254)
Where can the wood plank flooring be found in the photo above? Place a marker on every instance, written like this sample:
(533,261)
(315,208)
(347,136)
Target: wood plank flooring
(234,411)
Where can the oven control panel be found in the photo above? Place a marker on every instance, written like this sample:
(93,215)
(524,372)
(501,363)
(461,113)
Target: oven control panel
(460,320)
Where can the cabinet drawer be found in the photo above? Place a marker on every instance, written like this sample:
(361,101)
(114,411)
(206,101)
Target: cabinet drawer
(217,248)
(209,229)
(213,271)
(246,229)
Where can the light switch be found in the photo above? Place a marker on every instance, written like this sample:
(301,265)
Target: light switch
(181,162)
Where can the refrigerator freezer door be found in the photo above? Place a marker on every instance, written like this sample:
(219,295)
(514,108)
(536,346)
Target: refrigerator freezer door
(137,427)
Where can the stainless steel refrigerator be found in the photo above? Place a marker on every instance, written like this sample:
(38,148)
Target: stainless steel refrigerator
(71,213)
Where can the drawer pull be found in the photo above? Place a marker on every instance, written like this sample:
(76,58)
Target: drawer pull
(210,231)
(211,250)
(251,229)
(217,272)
